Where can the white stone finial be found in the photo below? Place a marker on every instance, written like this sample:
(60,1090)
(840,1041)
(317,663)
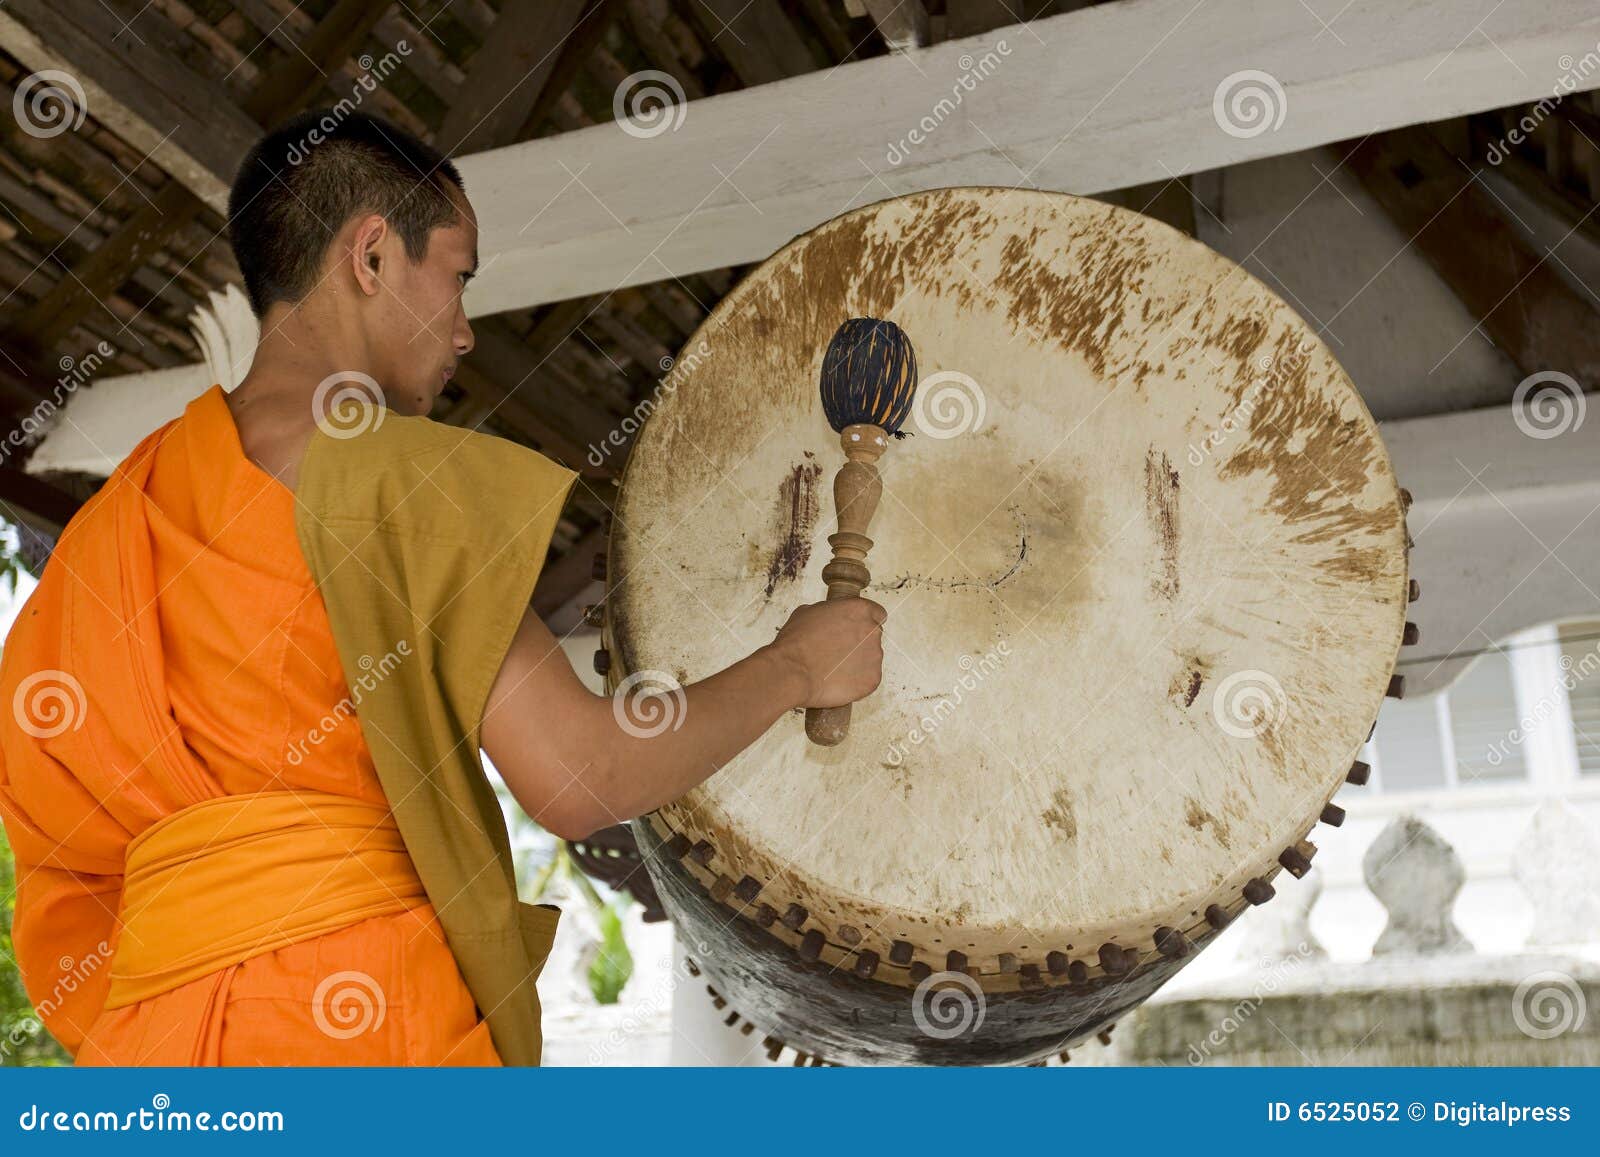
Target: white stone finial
(1557,864)
(227,332)
(1416,875)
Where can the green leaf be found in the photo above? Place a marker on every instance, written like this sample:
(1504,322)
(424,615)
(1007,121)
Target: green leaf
(613,964)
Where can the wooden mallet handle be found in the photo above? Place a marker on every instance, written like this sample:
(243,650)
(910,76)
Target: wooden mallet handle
(856,491)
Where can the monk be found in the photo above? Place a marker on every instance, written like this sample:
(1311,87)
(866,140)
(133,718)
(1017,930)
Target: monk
(240,771)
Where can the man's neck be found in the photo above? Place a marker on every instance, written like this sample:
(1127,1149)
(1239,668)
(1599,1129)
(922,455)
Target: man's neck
(307,357)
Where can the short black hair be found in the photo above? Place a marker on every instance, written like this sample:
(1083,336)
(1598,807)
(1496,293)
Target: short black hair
(300,184)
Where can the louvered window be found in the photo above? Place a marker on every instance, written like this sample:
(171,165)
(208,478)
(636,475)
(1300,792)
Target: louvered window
(1580,668)
(1484,725)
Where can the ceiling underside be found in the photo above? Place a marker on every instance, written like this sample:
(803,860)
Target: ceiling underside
(101,243)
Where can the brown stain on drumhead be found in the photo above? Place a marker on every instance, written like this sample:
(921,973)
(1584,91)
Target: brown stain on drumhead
(1319,459)
(797,517)
(1093,307)
(851,261)
(1191,676)
(900,775)
(1059,814)
(969,581)
(1161,509)
(1356,564)
(1198,818)
(1271,737)
(1185,687)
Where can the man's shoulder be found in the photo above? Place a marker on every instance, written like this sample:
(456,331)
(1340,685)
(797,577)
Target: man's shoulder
(393,439)
(409,468)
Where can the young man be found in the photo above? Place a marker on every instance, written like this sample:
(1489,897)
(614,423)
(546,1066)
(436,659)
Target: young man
(220,861)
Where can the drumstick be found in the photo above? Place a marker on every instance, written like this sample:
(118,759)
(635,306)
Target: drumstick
(869,375)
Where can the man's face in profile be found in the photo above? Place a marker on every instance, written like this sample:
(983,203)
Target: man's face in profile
(425,333)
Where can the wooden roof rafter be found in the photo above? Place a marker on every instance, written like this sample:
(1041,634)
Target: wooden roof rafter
(1515,294)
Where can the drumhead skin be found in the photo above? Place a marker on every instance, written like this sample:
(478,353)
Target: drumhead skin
(1145,563)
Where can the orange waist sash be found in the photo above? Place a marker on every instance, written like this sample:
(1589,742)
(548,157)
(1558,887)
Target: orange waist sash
(231,878)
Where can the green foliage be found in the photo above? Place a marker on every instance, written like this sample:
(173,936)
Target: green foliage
(540,859)
(12,563)
(613,963)
(23,1040)
(610,963)
(11,569)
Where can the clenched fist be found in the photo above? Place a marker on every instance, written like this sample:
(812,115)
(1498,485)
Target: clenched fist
(838,648)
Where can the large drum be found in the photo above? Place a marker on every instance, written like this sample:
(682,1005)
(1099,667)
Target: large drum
(1145,563)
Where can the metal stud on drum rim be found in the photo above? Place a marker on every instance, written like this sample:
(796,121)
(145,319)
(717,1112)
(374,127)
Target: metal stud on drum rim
(1172,484)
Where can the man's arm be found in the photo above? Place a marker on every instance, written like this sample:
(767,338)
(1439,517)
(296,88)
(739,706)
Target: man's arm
(575,769)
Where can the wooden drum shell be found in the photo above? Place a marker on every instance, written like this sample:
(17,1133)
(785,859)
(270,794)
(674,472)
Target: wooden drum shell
(823,1009)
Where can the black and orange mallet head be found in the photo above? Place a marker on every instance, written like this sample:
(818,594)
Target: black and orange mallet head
(869,377)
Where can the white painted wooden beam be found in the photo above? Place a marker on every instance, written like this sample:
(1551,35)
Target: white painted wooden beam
(102,423)
(1102,98)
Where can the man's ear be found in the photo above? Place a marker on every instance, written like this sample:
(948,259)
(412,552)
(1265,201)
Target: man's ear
(366,253)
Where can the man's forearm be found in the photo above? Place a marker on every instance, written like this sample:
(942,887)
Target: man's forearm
(644,760)
(579,762)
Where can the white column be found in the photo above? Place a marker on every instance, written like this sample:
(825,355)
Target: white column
(1447,741)
(1543,712)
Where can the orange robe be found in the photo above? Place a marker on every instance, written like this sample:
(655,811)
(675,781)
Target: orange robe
(176,653)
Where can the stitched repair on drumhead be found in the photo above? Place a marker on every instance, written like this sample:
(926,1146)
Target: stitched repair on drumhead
(970,584)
